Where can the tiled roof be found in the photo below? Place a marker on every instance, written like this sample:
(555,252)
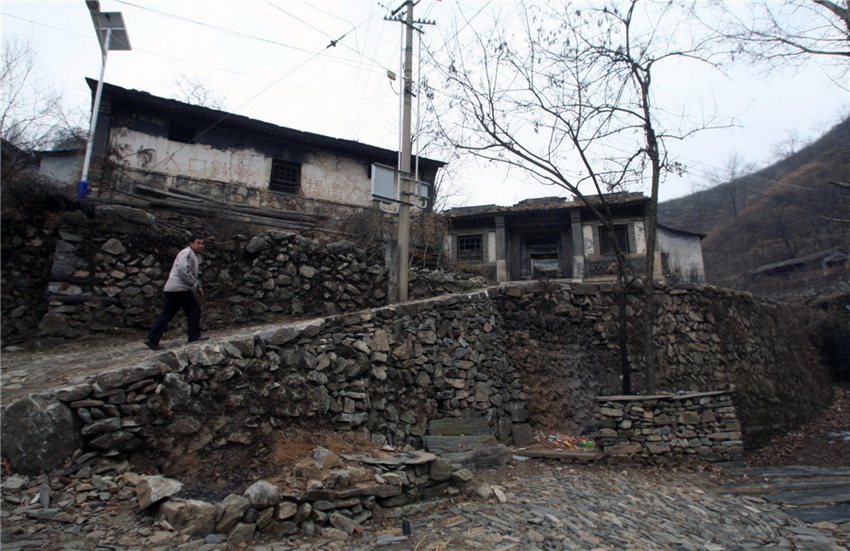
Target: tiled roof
(546,204)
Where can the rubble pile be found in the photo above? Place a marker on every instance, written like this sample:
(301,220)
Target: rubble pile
(336,496)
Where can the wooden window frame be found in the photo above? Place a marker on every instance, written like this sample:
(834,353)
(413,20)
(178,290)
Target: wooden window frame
(285,176)
(470,248)
(606,244)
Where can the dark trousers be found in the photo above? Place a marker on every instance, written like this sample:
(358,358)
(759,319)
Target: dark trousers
(173,303)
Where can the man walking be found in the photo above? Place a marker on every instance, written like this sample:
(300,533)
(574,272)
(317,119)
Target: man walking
(180,291)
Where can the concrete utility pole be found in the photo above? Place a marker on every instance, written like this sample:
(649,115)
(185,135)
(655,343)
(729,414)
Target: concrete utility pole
(404,185)
(404,174)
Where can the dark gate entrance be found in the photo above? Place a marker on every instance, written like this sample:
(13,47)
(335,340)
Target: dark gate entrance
(540,256)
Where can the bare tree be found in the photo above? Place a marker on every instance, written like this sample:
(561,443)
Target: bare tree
(32,117)
(789,32)
(734,177)
(197,92)
(568,99)
(29,108)
(789,145)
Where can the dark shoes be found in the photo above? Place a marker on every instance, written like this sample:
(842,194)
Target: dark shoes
(156,346)
(152,345)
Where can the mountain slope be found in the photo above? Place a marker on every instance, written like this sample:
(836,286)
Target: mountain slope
(785,211)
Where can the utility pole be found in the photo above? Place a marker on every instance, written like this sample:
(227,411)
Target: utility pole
(404,174)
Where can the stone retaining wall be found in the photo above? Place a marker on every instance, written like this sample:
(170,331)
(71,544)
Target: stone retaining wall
(670,428)
(517,355)
(108,272)
(384,372)
(563,342)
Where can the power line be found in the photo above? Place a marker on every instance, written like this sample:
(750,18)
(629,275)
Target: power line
(228,115)
(246,102)
(249,36)
(213,27)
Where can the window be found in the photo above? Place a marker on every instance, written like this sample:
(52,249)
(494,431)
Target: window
(606,243)
(181,132)
(285,177)
(470,248)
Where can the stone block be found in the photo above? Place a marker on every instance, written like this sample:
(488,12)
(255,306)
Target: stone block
(326,459)
(232,509)
(657,448)
(153,489)
(624,449)
(610,412)
(517,411)
(689,418)
(460,426)
(241,533)
(190,517)
(124,376)
(38,433)
(285,510)
(74,393)
(440,470)
(280,335)
(343,523)
(263,494)
(522,434)
(451,444)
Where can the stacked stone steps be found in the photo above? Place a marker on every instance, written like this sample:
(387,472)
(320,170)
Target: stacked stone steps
(467,442)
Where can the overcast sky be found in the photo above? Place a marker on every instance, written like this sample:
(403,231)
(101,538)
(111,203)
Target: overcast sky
(270,60)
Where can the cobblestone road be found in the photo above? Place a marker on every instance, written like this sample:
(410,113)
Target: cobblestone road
(565,508)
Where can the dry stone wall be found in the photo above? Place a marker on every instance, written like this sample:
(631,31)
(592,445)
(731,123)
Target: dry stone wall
(670,428)
(557,339)
(107,272)
(563,342)
(538,352)
(515,355)
(385,372)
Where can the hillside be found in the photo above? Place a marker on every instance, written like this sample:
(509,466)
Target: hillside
(785,211)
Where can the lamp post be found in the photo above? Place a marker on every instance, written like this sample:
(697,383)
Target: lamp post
(112,35)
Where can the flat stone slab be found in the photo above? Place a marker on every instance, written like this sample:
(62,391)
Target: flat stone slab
(405,458)
(571,456)
(812,497)
(810,494)
(482,458)
(835,514)
(784,485)
(471,426)
(791,471)
(452,444)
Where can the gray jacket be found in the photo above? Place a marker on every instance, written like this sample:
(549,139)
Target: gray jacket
(184,272)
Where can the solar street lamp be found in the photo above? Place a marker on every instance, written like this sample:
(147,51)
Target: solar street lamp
(112,35)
